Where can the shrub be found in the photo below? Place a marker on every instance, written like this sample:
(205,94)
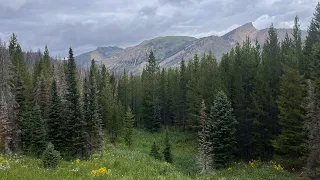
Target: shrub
(50,157)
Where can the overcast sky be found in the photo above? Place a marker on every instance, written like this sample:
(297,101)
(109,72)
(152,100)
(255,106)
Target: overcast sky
(87,24)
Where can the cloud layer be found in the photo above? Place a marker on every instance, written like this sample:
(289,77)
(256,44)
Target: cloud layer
(86,24)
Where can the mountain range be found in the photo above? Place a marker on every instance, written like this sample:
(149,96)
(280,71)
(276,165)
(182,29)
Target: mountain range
(169,50)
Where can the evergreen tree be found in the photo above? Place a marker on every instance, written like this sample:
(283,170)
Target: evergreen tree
(105,98)
(128,127)
(46,67)
(93,118)
(50,157)
(75,132)
(123,90)
(265,92)
(289,145)
(35,132)
(115,125)
(205,145)
(312,125)
(151,100)
(193,95)
(297,43)
(183,92)
(42,97)
(56,126)
(167,148)
(313,118)
(223,130)
(163,97)
(311,40)
(155,151)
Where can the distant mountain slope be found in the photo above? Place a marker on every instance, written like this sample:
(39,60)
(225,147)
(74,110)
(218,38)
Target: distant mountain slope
(134,58)
(220,45)
(239,34)
(217,45)
(169,50)
(99,54)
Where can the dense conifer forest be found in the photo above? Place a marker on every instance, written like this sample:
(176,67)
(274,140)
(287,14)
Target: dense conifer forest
(258,103)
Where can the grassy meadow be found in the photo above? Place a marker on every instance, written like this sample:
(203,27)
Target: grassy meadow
(120,162)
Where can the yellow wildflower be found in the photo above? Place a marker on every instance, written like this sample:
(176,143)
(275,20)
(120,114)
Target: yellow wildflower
(101,172)
(251,163)
(77,161)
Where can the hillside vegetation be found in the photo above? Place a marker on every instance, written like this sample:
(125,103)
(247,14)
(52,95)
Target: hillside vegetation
(122,162)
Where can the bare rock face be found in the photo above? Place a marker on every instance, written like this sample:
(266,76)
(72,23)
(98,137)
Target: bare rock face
(170,50)
(212,44)
(239,34)
(98,55)
(134,58)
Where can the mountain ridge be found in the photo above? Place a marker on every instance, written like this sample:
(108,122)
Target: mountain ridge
(169,50)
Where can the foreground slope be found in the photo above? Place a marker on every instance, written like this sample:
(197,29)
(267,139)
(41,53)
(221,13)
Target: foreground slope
(135,163)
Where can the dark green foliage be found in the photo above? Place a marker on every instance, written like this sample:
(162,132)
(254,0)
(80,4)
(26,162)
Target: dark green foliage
(123,90)
(155,151)
(313,119)
(183,91)
(311,40)
(50,157)
(56,126)
(223,130)
(34,131)
(75,128)
(193,95)
(128,127)
(265,92)
(115,126)
(92,113)
(290,144)
(105,98)
(167,148)
(151,100)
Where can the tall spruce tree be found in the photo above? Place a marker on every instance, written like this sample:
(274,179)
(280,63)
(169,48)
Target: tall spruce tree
(151,101)
(311,40)
(56,126)
(205,149)
(289,145)
(223,130)
(312,125)
(75,132)
(193,95)
(93,117)
(313,118)
(35,132)
(183,93)
(123,90)
(265,92)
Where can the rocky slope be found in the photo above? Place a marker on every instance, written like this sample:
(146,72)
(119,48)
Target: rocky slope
(134,58)
(170,50)
(98,55)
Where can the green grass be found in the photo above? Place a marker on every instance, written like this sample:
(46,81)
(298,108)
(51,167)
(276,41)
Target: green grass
(135,163)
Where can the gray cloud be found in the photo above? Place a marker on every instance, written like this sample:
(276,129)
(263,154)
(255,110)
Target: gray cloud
(86,24)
